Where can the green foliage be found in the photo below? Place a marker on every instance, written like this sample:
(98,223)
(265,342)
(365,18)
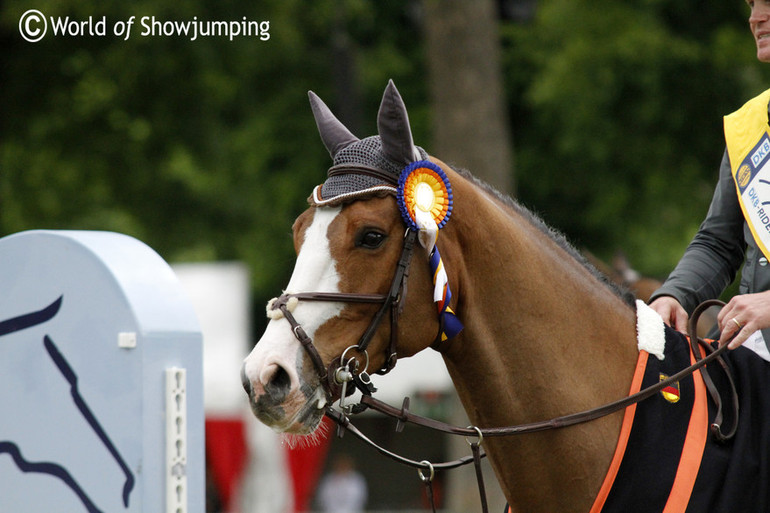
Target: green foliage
(618,129)
(207,149)
(203,149)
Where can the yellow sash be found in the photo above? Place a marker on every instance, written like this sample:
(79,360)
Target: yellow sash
(747,135)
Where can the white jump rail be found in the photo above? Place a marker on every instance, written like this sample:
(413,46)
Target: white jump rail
(101,378)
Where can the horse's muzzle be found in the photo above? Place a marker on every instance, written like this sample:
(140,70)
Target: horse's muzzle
(245,380)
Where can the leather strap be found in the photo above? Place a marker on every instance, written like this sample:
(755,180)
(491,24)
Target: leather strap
(343,421)
(304,339)
(404,415)
(716,426)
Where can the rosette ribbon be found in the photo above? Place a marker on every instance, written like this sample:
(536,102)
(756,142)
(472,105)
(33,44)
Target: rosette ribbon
(425,200)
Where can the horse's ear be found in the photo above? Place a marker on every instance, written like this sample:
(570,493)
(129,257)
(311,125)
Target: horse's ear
(333,133)
(393,126)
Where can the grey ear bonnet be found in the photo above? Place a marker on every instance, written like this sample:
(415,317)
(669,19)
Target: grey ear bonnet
(365,166)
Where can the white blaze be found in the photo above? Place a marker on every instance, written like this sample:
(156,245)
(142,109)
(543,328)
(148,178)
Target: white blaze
(314,271)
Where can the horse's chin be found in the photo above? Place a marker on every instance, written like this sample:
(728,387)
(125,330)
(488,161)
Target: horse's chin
(305,423)
(304,440)
(305,420)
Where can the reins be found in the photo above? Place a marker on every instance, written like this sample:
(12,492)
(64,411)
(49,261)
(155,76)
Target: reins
(403,415)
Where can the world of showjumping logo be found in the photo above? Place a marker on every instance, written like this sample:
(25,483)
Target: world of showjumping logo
(34,26)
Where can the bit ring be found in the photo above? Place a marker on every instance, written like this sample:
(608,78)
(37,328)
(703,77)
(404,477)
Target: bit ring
(429,477)
(478,433)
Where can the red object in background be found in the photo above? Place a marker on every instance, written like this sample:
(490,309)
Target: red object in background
(305,464)
(226,455)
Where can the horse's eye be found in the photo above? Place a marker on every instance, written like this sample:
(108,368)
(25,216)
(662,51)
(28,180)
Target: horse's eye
(370,239)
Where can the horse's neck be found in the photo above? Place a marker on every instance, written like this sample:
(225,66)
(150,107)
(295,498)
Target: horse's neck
(543,337)
(534,316)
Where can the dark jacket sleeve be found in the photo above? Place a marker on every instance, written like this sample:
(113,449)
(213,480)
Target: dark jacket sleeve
(715,254)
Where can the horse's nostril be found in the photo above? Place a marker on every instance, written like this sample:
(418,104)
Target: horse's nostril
(276,382)
(280,380)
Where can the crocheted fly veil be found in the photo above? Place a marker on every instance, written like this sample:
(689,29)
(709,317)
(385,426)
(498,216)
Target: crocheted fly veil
(362,167)
(390,163)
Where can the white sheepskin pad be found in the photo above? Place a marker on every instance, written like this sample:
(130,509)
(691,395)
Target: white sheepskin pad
(650,331)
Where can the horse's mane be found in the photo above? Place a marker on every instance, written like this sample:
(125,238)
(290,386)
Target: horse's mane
(549,231)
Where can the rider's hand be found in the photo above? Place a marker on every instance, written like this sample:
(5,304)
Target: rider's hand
(672,312)
(747,313)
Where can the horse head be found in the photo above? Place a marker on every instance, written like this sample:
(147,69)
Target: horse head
(345,310)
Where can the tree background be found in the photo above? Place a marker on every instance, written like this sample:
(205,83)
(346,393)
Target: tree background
(604,117)
(206,149)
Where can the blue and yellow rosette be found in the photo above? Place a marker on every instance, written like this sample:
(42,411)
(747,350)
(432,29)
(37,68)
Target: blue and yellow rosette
(425,200)
(424,187)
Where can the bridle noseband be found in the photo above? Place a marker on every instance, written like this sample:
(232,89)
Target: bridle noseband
(392,301)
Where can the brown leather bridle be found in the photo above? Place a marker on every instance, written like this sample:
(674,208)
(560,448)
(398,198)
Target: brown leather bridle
(392,302)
